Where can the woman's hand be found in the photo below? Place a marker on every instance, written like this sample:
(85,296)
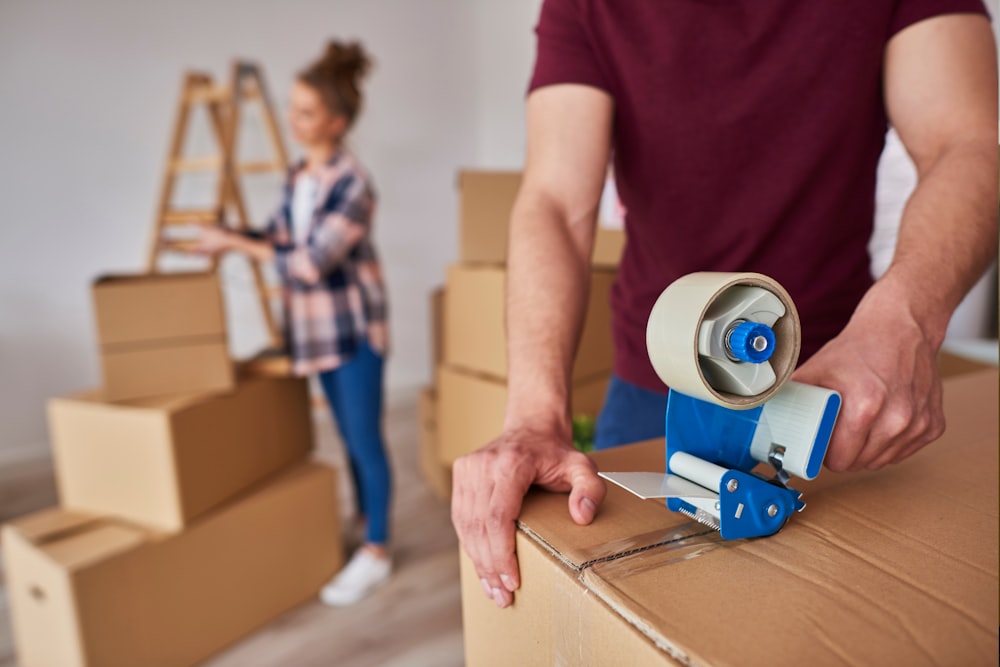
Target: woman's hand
(214,241)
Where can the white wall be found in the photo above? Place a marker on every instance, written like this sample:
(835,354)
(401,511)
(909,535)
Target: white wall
(88,97)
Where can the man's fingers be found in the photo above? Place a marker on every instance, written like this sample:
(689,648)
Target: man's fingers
(503,509)
(587,490)
(466,501)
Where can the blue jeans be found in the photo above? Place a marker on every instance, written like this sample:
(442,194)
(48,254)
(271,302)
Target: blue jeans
(630,414)
(354,392)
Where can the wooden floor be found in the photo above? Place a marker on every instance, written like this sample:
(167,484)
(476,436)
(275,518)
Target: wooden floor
(415,619)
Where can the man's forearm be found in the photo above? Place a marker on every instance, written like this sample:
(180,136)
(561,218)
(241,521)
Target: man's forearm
(548,282)
(948,233)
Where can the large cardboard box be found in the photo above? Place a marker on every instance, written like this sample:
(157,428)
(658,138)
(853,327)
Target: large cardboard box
(436,474)
(163,462)
(471,408)
(475,335)
(486,201)
(86,590)
(894,567)
(162,334)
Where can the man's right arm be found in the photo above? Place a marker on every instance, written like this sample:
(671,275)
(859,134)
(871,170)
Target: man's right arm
(548,277)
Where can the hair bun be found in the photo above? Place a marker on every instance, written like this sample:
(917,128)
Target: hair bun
(346,58)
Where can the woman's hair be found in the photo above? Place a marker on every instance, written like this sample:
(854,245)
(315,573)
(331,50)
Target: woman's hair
(337,77)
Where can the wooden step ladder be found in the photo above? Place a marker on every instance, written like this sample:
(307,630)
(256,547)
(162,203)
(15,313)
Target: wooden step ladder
(224,106)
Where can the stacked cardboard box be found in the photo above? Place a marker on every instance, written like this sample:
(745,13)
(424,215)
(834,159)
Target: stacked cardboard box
(889,567)
(464,408)
(189,512)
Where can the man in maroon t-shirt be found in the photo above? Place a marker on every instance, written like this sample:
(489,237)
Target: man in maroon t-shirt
(746,137)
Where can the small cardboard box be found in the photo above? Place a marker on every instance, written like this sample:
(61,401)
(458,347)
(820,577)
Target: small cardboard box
(162,334)
(86,590)
(475,337)
(162,462)
(471,408)
(608,247)
(486,201)
(436,474)
(894,567)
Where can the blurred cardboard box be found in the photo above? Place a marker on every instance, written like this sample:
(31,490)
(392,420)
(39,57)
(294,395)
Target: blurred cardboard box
(951,365)
(267,364)
(162,334)
(891,567)
(486,200)
(474,332)
(608,247)
(436,474)
(437,309)
(471,408)
(162,462)
(86,590)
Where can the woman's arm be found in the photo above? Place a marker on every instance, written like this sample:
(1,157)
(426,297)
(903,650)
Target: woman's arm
(217,241)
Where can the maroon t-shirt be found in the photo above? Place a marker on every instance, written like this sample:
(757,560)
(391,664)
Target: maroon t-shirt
(746,138)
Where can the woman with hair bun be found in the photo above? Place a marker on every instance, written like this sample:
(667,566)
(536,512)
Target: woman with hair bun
(320,241)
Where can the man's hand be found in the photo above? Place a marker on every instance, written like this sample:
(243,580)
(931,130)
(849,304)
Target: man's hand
(884,364)
(941,94)
(489,485)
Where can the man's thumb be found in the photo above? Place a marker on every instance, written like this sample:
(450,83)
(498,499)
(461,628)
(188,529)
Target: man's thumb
(586,493)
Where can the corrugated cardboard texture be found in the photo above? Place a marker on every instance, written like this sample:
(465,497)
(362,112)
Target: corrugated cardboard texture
(162,462)
(161,334)
(89,591)
(894,567)
(475,338)
(471,408)
(436,474)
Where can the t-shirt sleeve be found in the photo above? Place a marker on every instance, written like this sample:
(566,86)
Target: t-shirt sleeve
(565,53)
(909,12)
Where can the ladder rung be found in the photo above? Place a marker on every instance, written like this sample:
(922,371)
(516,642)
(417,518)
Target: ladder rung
(205,163)
(207,94)
(188,217)
(260,166)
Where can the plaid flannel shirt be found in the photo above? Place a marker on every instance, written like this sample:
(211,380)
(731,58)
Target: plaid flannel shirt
(332,286)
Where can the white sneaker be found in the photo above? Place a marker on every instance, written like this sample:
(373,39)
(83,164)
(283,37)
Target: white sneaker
(363,574)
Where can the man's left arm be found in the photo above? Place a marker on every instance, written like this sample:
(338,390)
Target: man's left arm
(941,96)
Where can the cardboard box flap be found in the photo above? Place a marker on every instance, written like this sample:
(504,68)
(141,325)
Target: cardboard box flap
(51,524)
(147,308)
(74,540)
(621,526)
(167,403)
(902,561)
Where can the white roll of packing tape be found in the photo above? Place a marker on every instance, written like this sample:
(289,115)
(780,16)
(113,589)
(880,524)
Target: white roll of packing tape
(675,325)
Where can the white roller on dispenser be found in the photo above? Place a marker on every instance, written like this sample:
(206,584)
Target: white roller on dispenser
(689,330)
